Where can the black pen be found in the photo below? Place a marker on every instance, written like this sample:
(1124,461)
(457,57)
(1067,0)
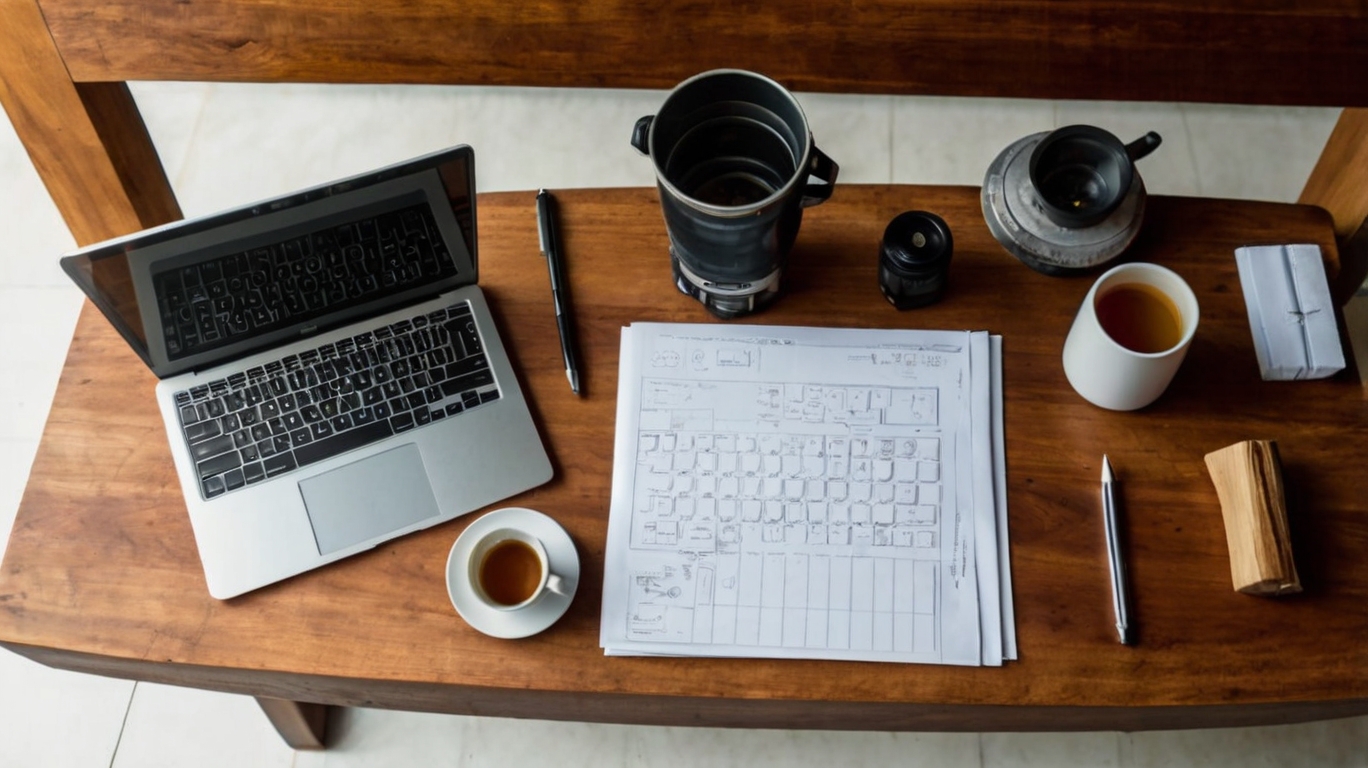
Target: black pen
(550,247)
(1115,559)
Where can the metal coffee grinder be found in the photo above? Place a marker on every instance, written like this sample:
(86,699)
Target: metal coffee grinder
(735,165)
(1067,201)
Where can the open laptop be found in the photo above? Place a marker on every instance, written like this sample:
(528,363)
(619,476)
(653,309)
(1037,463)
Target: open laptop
(331,376)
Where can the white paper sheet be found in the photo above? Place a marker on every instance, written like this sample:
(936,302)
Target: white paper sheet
(806,492)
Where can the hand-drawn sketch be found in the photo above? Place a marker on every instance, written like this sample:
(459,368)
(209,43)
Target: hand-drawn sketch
(795,492)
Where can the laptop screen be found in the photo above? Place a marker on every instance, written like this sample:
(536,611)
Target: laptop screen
(197,293)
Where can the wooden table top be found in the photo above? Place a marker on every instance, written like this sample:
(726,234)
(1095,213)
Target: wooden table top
(101,573)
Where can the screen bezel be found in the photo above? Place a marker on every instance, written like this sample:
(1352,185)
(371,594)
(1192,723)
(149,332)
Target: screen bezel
(455,176)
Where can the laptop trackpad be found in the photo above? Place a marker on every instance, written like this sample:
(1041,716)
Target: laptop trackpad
(368,498)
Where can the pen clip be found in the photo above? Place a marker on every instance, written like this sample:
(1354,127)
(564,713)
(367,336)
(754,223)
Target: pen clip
(543,221)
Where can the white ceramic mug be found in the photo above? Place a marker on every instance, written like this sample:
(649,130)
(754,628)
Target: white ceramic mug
(1110,375)
(511,579)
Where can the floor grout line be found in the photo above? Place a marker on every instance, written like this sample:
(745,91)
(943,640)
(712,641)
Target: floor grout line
(113,756)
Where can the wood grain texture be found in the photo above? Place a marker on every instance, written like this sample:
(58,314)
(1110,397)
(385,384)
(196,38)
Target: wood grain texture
(101,572)
(1267,52)
(87,142)
(1339,184)
(1339,181)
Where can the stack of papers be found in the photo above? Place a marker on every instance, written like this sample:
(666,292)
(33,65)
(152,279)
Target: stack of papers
(809,493)
(1291,314)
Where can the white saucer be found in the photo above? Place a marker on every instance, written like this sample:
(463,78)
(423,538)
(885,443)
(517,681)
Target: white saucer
(524,621)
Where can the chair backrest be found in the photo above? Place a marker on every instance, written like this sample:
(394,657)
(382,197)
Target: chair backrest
(1311,52)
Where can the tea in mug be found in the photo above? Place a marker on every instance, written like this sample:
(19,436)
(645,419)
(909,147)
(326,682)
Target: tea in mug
(1140,317)
(510,572)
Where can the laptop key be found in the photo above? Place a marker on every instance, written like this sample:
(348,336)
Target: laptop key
(219,464)
(469,381)
(280,463)
(211,447)
(202,430)
(402,422)
(242,438)
(253,472)
(342,442)
(213,487)
(234,479)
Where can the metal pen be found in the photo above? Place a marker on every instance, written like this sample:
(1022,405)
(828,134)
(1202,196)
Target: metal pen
(550,248)
(1120,593)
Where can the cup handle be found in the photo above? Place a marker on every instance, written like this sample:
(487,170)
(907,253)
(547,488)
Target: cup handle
(819,167)
(557,584)
(641,132)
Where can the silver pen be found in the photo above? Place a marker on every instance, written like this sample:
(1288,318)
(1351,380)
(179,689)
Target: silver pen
(1120,593)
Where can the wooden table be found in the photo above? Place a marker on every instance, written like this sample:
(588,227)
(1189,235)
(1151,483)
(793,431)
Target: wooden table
(102,576)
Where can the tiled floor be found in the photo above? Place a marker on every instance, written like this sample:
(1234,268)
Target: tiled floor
(228,144)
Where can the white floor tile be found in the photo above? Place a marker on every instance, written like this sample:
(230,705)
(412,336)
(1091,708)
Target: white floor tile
(1330,744)
(854,131)
(380,738)
(374,738)
(1256,153)
(173,727)
(524,138)
(939,140)
(58,719)
(1052,750)
(35,235)
(16,459)
(171,112)
(1168,170)
(36,324)
(793,749)
(528,138)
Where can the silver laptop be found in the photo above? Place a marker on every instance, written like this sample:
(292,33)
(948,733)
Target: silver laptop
(331,377)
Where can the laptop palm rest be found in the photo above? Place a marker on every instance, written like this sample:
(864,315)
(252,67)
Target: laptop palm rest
(368,498)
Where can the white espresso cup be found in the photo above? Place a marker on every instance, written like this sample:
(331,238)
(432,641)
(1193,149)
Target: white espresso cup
(1130,335)
(509,569)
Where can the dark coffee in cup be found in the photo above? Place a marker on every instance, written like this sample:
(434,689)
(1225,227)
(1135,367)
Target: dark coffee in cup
(1140,317)
(511,572)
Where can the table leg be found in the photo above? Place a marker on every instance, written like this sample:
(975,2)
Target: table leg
(300,724)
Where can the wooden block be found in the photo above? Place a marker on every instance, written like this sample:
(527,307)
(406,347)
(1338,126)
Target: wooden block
(1248,479)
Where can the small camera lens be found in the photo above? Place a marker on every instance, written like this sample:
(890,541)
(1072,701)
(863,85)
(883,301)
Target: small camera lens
(914,259)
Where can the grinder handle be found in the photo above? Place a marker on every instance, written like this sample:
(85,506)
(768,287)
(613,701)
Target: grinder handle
(819,167)
(1143,146)
(641,132)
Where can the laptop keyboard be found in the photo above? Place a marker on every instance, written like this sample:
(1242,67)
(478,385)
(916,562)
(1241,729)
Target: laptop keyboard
(216,302)
(275,418)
